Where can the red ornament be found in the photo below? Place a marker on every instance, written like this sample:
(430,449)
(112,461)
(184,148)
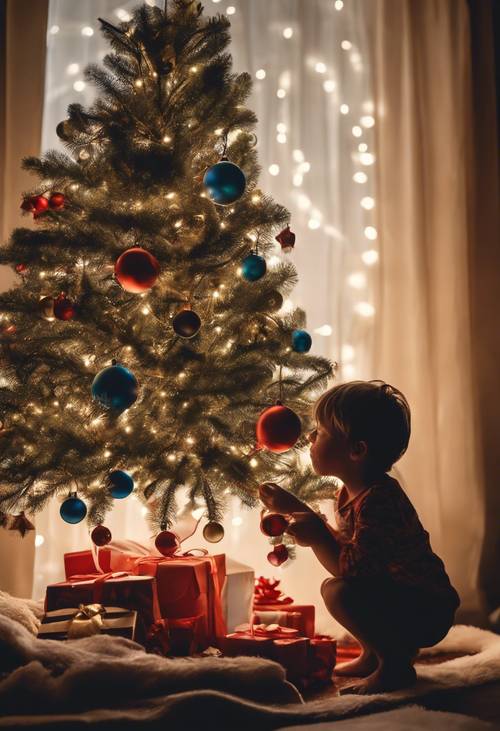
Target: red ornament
(287,240)
(21,268)
(64,309)
(56,201)
(101,535)
(273,524)
(278,555)
(167,543)
(136,270)
(35,204)
(278,428)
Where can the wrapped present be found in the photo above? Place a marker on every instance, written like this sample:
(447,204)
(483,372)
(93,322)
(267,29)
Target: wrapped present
(237,594)
(87,620)
(86,562)
(268,597)
(188,585)
(322,655)
(284,619)
(273,642)
(177,637)
(137,593)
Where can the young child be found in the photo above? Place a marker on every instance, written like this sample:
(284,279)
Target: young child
(389,589)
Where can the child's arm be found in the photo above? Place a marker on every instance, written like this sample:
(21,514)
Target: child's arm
(279,500)
(309,529)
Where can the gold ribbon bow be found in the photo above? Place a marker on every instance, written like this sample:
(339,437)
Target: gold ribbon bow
(87,621)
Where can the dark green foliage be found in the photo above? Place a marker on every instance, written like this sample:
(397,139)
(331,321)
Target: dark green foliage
(132,176)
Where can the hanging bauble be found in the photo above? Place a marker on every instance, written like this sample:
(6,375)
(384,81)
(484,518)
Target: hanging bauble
(278,428)
(186,323)
(301,341)
(286,239)
(21,268)
(46,308)
(101,535)
(73,510)
(64,309)
(213,532)
(278,555)
(225,182)
(64,130)
(273,524)
(121,484)
(136,270)
(253,267)
(274,300)
(56,201)
(35,204)
(115,387)
(167,543)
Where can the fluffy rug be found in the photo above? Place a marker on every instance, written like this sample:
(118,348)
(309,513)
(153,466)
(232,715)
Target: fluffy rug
(109,682)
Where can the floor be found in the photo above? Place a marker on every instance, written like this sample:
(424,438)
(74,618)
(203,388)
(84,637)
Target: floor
(481,702)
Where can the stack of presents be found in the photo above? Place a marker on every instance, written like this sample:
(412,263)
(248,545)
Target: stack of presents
(187,605)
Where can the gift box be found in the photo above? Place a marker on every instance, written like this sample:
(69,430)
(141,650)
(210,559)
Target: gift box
(176,637)
(137,593)
(87,620)
(322,656)
(268,597)
(281,644)
(284,619)
(237,594)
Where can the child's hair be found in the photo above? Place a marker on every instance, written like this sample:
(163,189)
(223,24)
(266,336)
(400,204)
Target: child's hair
(369,411)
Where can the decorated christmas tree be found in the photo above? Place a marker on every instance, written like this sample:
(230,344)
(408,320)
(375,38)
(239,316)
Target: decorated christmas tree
(146,347)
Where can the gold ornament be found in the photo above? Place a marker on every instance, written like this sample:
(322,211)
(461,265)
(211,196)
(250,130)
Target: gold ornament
(46,308)
(213,532)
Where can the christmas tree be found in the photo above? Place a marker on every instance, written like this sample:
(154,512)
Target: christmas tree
(146,338)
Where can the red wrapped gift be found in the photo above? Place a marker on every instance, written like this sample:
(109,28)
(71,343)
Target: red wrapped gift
(321,660)
(187,585)
(178,637)
(111,589)
(82,562)
(273,642)
(268,597)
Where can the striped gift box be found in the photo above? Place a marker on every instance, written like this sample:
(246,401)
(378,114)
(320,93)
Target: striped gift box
(115,620)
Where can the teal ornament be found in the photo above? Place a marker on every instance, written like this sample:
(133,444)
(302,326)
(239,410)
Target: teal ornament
(73,510)
(301,341)
(115,388)
(121,484)
(225,182)
(253,267)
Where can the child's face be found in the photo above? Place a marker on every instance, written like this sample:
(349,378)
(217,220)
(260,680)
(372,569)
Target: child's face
(330,451)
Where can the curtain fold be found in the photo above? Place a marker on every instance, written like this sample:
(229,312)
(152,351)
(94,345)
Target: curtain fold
(22,74)
(429,295)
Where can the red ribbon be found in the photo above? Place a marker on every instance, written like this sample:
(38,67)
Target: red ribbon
(273,631)
(98,581)
(267,592)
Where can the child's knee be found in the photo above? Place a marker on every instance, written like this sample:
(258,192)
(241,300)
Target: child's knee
(332,591)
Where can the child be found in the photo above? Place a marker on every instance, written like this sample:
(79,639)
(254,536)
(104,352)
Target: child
(389,589)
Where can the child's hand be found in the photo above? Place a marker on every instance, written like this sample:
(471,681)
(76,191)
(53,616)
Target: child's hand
(308,529)
(279,500)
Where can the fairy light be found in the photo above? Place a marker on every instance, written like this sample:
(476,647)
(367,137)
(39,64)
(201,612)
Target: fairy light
(360,177)
(367,121)
(128,429)
(171,458)
(370,257)
(325,331)
(371,233)
(281,93)
(287,32)
(230,10)
(329,85)
(297,179)
(190,440)
(72,69)
(178,223)
(298,155)
(39,540)
(146,310)
(338,5)
(362,147)
(253,463)
(237,521)
(260,74)
(357,131)
(107,453)
(193,69)
(367,158)
(344,109)
(274,169)
(79,85)
(181,375)
(320,67)
(255,198)
(138,83)
(54,29)
(346,45)
(122,15)
(166,139)
(367,203)
(365,309)
(357,280)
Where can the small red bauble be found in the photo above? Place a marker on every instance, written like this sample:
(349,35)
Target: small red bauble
(167,543)
(101,535)
(287,239)
(35,204)
(64,309)
(56,201)
(136,270)
(21,268)
(273,524)
(278,428)
(278,555)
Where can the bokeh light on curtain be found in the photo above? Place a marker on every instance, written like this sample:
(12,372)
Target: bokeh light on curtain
(312,97)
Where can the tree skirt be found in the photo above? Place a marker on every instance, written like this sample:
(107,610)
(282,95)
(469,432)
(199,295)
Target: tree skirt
(63,682)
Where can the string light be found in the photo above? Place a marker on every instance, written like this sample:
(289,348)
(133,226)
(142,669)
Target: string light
(54,29)
(365,309)
(138,83)
(325,330)
(360,177)
(39,540)
(329,86)
(371,233)
(237,521)
(287,33)
(367,158)
(362,147)
(338,5)
(344,109)
(370,257)
(230,10)
(281,93)
(79,85)
(72,69)
(367,203)
(274,169)
(87,31)
(357,280)
(320,67)
(347,352)
(260,74)
(367,121)
(357,131)
(346,45)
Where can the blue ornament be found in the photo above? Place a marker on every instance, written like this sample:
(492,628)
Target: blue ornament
(73,510)
(301,341)
(225,182)
(253,267)
(121,484)
(115,388)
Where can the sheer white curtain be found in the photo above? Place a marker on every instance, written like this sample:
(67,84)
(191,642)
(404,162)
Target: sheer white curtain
(312,95)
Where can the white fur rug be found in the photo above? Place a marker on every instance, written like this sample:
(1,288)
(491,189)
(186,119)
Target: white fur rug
(109,682)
